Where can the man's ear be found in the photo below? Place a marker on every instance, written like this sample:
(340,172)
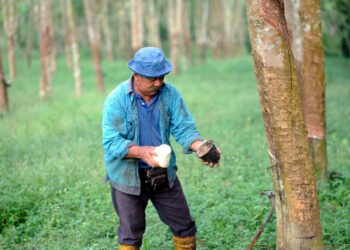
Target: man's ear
(136,76)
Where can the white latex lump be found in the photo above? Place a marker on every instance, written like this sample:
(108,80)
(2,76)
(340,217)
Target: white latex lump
(163,157)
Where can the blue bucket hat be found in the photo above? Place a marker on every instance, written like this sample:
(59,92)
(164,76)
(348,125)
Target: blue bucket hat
(150,62)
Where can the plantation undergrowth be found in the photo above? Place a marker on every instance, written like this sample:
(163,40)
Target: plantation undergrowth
(51,191)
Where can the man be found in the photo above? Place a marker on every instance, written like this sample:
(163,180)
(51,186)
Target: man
(139,115)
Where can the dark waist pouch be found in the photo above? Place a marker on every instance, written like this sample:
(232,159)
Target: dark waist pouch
(156,177)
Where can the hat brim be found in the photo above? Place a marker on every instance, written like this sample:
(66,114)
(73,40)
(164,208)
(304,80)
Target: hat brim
(133,67)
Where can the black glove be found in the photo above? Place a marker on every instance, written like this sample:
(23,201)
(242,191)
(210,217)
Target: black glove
(208,152)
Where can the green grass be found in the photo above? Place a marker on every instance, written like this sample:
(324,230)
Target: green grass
(51,190)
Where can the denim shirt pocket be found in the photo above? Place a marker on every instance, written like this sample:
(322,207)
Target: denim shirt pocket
(130,128)
(126,127)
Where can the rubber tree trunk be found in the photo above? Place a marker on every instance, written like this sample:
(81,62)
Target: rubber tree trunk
(137,27)
(3,90)
(186,34)
(124,37)
(105,30)
(10,26)
(298,215)
(65,31)
(233,26)
(174,25)
(29,34)
(304,25)
(202,14)
(216,29)
(152,23)
(52,45)
(44,87)
(73,42)
(94,44)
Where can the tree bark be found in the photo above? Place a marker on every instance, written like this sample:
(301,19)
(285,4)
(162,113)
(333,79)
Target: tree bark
(10,26)
(66,35)
(29,34)
(73,42)
(304,24)
(174,26)
(186,34)
(298,215)
(52,45)
(216,31)
(106,31)
(137,28)
(152,22)
(202,14)
(239,36)
(3,90)
(45,88)
(94,45)
(124,42)
(233,28)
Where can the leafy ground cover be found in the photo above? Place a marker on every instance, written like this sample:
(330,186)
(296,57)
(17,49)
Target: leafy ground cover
(51,191)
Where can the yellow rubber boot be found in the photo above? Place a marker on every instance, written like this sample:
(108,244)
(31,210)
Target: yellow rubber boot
(185,243)
(125,247)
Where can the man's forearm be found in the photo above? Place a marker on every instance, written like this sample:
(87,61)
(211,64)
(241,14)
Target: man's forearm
(145,153)
(134,152)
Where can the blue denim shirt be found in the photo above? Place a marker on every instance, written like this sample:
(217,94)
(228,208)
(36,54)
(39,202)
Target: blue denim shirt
(120,130)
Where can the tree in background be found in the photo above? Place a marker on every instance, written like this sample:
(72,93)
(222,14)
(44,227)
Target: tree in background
(105,30)
(10,26)
(29,21)
(208,29)
(336,25)
(201,23)
(226,28)
(187,45)
(216,31)
(152,24)
(298,215)
(3,90)
(94,42)
(124,38)
(233,26)
(304,24)
(51,33)
(72,40)
(137,28)
(174,9)
(45,81)
(64,20)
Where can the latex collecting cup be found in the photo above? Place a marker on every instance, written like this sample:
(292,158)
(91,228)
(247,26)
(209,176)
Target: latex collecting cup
(163,157)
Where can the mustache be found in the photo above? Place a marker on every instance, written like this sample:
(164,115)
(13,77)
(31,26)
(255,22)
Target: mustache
(152,89)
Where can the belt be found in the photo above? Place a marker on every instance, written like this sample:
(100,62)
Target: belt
(154,176)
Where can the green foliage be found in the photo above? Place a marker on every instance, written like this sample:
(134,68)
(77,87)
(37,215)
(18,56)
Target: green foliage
(51,190)
(336,27)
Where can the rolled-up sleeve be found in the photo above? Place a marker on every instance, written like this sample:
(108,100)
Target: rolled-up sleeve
(113,123)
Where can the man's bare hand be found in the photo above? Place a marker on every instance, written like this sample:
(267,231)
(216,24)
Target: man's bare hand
(145,153)
(148,154)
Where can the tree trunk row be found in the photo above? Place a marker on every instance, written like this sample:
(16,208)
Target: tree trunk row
(94,42)
(3,89)
(10,26)
(304,26)
(298,217)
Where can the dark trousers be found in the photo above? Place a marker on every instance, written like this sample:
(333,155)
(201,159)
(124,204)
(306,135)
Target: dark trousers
(170,204)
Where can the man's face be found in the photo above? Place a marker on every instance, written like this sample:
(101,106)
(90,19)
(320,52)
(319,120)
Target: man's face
(148,86)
